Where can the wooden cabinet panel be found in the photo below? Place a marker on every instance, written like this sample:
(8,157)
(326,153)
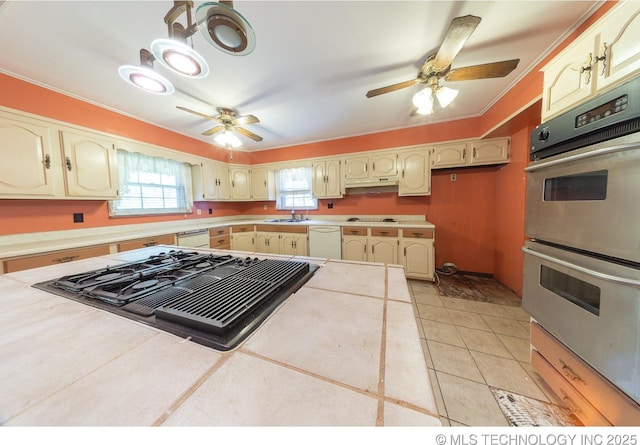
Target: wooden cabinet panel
(415,174)
(449,155)
(383,249)
(417,233)
(240,183)
(219,231)
(418,258)
(243,228)
(282,228)
(146,242)
(220,241)
(243,241)
(354,248)
(354,231)
(383,231)
(327,179)
(58,257)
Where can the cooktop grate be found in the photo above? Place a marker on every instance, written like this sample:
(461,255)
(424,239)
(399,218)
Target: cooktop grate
(219,307)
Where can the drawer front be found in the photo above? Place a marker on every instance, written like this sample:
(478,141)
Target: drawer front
(146,242)
(383,231)
(14,265)
(574,401)
(218,231)
(417,233)
(355,231)
(617,407)
(243,228)
(281,228)
(220,241)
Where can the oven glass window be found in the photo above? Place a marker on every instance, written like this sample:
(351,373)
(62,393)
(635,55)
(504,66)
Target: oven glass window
(578,292)
(590,186)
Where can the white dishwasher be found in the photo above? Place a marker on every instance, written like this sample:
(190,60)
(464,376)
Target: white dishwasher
(325,242)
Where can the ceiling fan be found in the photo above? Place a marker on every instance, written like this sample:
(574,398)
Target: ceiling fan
(438,66)
(229,123)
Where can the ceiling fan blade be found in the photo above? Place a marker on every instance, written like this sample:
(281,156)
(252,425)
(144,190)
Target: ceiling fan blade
(248,119)
(213,130)
(388,89)
(484,71)
(197,113)
(248,134)
(457,35)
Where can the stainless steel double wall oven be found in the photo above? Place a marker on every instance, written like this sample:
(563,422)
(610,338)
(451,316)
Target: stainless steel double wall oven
(582,262)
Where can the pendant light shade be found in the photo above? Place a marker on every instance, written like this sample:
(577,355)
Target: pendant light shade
(423,100)
(180,57)
(445,95)
(144,77)
(225,28)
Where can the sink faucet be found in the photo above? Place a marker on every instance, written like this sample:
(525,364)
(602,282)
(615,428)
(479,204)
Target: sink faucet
(293,214)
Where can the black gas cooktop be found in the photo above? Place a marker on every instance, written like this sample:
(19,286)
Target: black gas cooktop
(215,300)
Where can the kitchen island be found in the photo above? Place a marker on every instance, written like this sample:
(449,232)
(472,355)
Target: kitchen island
(342,350)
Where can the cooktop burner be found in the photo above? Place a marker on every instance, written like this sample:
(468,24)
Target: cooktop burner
(216,300)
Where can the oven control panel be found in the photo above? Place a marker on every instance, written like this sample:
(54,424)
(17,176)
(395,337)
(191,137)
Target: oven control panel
(605,110)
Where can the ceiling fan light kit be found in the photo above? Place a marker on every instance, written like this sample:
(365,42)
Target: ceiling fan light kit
(228,139)
(438,66)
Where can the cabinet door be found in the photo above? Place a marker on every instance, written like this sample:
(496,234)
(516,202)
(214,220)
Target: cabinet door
(243,241)
(568,78)
(354,248)
(261,184)
(415,175)
(29,147)
(450,155)
(319,184)
(293,244)
(357,168)
(492,151)
(267,242)
(418,258)
(383,250)
(240,183)
(334,179)
(89,165)
(384,165)
(619,44)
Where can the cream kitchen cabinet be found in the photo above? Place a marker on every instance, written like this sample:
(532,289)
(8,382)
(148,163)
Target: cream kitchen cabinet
(470,153)
(354,243)
(281,239)
(243,238)
(48,161)
(415,174)
(240,178)
(417,253)
(211,181)
(327,179)
(31,146)
(378,166)
(89,165)
(603,56)
(383,245)
(262,184)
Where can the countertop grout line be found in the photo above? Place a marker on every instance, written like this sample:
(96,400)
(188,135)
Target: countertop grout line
(383,351)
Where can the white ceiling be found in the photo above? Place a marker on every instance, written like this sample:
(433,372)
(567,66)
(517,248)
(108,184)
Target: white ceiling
(307,78)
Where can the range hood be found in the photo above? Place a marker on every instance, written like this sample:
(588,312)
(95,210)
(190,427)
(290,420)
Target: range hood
(368,186)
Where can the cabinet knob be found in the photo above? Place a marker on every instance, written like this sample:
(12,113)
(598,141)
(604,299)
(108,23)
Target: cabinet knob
(68,162)
(603,59)
(586,69)
(47,162)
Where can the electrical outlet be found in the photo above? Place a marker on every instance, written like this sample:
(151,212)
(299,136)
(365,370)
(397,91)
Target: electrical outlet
(453,177)
(264,207)
(199,212)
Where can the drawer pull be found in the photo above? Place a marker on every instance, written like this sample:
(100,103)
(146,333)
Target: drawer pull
(570,403)
(570,373)
(384,233)
(354,232)
(47,162)
(220,241)
(150,243)
(68,162)
(416,234)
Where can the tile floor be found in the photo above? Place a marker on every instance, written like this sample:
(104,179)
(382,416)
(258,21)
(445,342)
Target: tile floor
(475,336)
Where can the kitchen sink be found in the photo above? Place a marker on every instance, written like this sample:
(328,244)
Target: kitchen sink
(285,220)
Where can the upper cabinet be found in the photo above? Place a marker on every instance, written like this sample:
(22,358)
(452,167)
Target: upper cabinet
(210,182)
(262,184)
(29,146)
(603,56)
(89,165)
(50,162)
(415,174)
(327,178)
(371,167)
(240,183)
(465,154)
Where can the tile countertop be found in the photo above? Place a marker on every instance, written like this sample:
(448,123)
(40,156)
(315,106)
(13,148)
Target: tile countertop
(340,351)
(42,242)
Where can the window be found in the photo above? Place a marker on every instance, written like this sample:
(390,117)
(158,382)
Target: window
(151,186)
(293,189)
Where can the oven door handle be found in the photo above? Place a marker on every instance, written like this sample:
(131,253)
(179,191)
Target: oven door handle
(592,273)
(585,155)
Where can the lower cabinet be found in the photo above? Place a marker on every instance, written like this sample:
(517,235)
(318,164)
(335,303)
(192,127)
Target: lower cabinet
(243,237)
(58,257)
(146,242)
(354,243)
(282,239)
(219,238)
(417,253)
(383,245)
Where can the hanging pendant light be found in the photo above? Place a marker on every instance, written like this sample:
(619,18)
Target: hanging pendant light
(225,28)
(144,77)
